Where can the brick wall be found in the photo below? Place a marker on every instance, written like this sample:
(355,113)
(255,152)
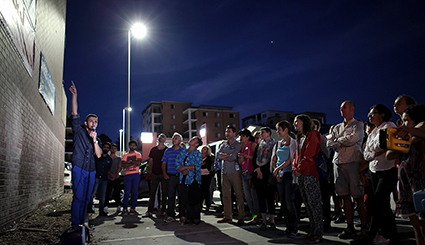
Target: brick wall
(31,138)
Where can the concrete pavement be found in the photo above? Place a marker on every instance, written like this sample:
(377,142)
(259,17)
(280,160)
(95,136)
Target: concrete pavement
(116,229)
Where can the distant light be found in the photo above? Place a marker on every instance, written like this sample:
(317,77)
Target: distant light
(203,132)
(146,137)
(129,109)
(121,130)
(138,30)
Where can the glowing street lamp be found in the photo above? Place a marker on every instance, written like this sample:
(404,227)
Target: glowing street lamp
(138,30)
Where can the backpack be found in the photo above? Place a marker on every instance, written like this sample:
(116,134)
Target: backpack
(322,162)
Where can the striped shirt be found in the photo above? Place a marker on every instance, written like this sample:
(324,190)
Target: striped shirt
(170,158)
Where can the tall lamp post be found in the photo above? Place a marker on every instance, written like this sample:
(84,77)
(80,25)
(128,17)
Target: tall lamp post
(121,134)
(125,142)
(138,30)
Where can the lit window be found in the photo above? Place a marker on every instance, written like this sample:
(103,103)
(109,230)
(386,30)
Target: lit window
(173,116)
(217,114)
(217,125)
(205,114)
(173,126)
(218,135)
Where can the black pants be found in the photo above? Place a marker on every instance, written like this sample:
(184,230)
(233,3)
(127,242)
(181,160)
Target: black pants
(383,183)
(205,190)
(115,187)
(265,194)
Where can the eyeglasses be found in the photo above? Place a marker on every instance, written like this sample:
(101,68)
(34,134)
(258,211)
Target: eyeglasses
(372,113)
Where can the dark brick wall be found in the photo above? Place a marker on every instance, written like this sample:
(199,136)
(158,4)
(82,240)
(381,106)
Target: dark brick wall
(31,138)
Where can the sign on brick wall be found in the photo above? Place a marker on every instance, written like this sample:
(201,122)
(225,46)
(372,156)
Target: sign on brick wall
(46,85)
(18,18)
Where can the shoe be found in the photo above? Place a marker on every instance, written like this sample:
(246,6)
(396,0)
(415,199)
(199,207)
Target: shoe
(162,214)
(348,234)
(272,226)
(363,233)
(103,214)
(224,220)
(315,240)
(254,220)
(263,227)
(340,219)
(148,214)
(183,220)
(124,212)
(132,211)
(380,240)
(119,209)
(240,222)
(293,234)
(169,219)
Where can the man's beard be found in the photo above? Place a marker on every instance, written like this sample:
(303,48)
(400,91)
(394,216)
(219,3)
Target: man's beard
(105,151)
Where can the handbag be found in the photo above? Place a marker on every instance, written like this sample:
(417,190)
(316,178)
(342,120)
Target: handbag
(419,201)
(246,175)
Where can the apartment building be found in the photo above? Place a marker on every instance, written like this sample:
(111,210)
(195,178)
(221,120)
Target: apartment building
(172,116)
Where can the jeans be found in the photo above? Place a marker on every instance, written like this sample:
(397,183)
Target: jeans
(100,186)
(82,187)
(131,185)
(173,185)
(286,192)
(250,197)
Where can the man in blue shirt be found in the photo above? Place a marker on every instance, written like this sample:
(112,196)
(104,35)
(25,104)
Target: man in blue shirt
(171,174)
(86,149)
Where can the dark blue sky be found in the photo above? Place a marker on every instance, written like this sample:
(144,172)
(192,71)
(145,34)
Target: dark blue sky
(251,55)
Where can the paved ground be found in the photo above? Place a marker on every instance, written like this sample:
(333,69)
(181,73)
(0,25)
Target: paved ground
(116,229)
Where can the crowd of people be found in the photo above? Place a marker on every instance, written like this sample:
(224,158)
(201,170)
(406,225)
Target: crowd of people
(349,164)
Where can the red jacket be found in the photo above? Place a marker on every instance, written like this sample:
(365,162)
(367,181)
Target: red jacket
(305,162)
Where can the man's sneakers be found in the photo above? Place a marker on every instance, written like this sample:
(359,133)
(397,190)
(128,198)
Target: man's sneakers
(348,234)
(169,219)
(225,220)
(148,214)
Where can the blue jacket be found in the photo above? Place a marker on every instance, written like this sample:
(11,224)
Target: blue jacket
(193,159)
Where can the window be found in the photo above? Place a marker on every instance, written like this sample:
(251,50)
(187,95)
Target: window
(217,135)
(232,115)
(217,114)
(173,116)
(173,106)
(264,115)
(173,126)
(205,114)
(217,125)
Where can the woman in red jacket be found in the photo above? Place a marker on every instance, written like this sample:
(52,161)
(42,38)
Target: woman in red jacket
(308,177)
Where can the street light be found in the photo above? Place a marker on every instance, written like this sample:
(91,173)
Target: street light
(121,134)
(139,31)
(125,142)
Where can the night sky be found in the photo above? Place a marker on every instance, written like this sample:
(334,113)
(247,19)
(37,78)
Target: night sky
(251,55)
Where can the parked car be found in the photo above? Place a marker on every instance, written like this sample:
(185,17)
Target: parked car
(67,175)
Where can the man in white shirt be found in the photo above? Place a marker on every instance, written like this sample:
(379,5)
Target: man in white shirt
(346,140)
